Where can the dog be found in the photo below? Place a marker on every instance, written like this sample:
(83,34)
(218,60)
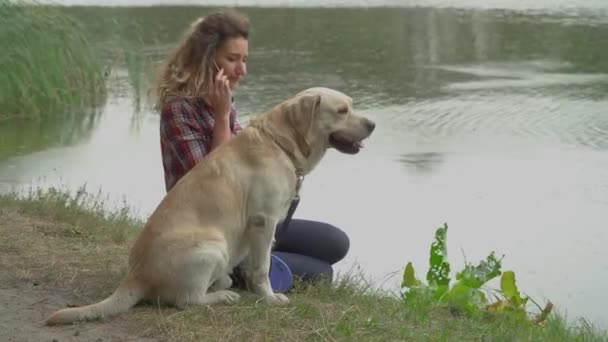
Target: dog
(224,211)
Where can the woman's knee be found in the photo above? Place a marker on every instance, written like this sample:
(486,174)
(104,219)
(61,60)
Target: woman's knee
(316,239)
(334,239)
(339,241)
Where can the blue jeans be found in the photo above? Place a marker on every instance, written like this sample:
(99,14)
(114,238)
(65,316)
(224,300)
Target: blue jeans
(310,249)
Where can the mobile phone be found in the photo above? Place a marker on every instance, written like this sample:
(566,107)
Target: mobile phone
(217,68)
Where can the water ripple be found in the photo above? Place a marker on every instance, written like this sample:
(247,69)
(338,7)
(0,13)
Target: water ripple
(579,122)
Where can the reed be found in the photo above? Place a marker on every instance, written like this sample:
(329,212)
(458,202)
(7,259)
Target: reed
(48,66)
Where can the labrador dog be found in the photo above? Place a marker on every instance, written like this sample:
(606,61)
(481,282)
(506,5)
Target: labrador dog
(223,213)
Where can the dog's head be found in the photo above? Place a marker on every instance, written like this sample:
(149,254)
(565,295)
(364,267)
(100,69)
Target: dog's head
(331,122)
(316,119)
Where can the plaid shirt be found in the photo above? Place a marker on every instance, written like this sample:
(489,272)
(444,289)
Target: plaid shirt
(186,135)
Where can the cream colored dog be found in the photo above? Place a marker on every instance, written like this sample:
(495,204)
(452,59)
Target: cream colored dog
(223,213)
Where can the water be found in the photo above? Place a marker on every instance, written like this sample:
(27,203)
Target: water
(490,118)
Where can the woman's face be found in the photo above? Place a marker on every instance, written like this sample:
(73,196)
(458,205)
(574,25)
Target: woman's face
(232,57)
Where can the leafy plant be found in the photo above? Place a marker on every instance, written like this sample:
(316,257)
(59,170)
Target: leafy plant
(466,292)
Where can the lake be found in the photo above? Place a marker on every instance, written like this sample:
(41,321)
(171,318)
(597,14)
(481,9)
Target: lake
(491,117)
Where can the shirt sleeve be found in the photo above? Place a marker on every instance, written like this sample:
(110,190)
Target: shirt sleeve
(235,116)
(183,136)
(237,126)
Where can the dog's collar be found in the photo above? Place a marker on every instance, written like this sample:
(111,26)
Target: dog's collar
(294,202)
(299,180)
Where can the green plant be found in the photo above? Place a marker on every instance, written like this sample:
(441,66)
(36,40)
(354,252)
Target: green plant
(466,292)
(48,65)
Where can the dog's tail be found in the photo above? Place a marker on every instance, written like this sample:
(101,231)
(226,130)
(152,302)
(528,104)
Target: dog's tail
(128,293)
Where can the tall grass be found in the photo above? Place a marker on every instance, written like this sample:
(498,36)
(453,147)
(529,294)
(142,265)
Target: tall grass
(47,64)
(93,212)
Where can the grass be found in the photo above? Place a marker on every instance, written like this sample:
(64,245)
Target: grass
(69,243)
(48,66)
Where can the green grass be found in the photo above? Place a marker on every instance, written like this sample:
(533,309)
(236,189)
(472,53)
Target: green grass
(47,65)
(70,240)
(78,208)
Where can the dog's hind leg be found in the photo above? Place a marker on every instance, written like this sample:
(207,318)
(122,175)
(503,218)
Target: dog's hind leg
(198,272)
(222,283)
(221,296)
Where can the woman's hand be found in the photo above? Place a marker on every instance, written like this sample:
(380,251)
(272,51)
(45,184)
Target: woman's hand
(220,97)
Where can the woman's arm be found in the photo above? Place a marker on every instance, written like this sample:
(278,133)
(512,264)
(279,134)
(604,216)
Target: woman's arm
(220,99)
(224,127)
(188,135)
(221,130)
(182,137)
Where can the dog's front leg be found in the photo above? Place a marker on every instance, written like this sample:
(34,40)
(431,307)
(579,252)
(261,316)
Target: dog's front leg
(256,265)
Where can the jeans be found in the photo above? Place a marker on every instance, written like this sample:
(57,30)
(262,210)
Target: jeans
(309,248)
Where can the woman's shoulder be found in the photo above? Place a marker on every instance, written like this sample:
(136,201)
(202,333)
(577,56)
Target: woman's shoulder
(182,106)
(180,100)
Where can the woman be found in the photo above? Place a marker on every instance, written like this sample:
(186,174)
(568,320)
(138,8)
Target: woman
(198,113)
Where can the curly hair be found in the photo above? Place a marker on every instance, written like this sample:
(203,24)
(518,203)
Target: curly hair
(189,67)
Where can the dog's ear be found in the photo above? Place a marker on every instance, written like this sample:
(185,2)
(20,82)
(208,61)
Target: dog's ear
(300,116)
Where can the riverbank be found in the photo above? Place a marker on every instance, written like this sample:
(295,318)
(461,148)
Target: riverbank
(58,250)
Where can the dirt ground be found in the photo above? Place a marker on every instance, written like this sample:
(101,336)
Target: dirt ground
(23,309)
(39,274)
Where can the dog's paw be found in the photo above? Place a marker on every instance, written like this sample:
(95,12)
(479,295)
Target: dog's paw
(222,283)
(276,299)
(227,296)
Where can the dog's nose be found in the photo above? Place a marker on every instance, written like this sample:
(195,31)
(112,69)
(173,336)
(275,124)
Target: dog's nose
(370,125)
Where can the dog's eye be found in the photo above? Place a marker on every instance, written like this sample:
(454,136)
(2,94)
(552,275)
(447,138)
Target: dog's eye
(342,110)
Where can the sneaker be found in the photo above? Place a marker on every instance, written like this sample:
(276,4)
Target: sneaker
(281,277)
